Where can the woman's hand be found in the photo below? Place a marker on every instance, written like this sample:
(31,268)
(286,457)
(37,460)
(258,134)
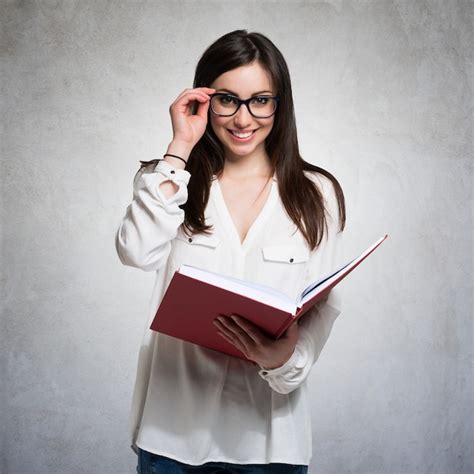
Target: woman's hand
(254,344)
(188,128)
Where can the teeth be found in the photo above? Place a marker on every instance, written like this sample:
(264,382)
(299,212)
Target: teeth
(242,135)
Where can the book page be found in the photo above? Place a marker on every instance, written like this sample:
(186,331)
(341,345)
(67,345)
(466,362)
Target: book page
(255,291)
(313,286)
(336,276)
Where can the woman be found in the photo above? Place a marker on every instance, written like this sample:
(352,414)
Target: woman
(232,195)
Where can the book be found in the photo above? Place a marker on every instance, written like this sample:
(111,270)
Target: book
(195,297)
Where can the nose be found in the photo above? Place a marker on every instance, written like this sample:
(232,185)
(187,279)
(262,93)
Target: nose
(242,117)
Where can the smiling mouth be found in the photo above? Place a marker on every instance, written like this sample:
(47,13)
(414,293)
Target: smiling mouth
(242,135)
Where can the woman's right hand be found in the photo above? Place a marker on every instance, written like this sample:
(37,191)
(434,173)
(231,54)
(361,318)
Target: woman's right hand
(187,128)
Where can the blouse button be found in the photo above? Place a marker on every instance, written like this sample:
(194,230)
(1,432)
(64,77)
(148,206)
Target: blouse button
(172,171)
(291,260)
(264,372)
(190,239)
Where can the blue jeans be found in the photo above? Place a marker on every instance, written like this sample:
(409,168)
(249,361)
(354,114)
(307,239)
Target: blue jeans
(149,463)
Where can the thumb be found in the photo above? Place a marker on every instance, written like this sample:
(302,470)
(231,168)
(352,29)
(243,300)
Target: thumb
(292,331)
(203,107)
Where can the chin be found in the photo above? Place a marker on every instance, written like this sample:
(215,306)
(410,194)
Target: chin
(241,151)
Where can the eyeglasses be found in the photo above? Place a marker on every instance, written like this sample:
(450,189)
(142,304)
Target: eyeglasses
(260,106)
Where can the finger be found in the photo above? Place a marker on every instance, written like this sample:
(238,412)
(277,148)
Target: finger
(185,109)
(234,331)
(207,90)
(222,326)
(292,331)
(185,100)
(250,329)
(203,109)
(235,343)
(204,91)
(201,90)
(191,89)
(230,337)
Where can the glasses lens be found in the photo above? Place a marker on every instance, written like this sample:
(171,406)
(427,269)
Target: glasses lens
(224,104)
(227,105)
(262,106)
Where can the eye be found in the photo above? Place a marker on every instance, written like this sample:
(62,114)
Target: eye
(261,100)
(227,100)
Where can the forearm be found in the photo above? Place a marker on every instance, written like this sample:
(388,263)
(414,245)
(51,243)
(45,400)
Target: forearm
(314,330)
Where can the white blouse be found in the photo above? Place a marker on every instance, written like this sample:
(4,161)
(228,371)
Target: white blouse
(196,405)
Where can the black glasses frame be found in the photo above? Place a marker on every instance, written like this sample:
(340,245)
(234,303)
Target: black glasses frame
(246,102)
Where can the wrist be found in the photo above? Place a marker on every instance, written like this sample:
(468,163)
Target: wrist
(175,161)
(271,370)
(275,364)
(180,148)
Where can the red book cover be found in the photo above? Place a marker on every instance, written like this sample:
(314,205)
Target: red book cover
(195,297)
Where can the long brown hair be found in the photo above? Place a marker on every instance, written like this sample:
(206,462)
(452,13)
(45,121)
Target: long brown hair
(301,198)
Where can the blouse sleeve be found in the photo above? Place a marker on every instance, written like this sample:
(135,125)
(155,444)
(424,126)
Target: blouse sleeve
(151,222)
(316,325)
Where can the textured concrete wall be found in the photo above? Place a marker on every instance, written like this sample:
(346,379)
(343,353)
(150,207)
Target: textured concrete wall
(383,93)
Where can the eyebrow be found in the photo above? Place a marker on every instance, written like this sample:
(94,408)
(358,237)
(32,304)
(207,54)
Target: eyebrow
(235,93)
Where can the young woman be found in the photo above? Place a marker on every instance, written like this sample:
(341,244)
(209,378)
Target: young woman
(232,195)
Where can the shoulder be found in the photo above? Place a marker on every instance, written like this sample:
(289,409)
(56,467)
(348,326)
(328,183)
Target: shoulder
(327,188)
(324,184)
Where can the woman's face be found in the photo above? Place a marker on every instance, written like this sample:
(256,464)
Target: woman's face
(243,82)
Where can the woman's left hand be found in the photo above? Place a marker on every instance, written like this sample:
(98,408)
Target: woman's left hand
(254,344)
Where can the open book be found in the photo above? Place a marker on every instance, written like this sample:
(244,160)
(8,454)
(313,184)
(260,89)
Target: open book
(195,297)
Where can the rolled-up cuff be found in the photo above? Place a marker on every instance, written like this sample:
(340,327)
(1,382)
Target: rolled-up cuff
(148,185)
(288,365)
(169,172)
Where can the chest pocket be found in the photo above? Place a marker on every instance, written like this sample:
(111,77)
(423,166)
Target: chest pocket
(290,254)
(285,267)
(210,241)
(199,250)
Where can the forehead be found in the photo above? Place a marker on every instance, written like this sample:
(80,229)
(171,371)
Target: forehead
(245,80)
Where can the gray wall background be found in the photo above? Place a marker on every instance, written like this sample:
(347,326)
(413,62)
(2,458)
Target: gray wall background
(383,94)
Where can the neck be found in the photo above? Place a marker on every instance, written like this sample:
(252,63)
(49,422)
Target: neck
(254,165)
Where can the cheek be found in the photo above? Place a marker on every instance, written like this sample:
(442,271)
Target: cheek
(217,124)
(268,126)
